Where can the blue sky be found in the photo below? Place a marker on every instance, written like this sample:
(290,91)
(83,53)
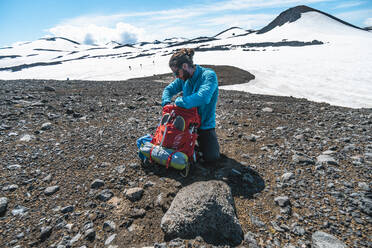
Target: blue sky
(95,21)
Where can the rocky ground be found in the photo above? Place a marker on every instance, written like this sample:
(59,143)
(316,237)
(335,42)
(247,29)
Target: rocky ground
(71,177)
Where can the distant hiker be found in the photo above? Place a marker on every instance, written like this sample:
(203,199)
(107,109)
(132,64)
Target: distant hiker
(141,66)
(200,89)
(130,68)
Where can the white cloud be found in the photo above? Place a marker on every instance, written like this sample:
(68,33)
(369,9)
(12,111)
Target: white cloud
(368,22)
(209,18)
(242,21)
(93,34)
(348,5)
(353,16)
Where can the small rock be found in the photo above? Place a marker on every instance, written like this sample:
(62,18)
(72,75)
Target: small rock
(302,159)
(26,138)
(137,213)
(134,194)
(250,239)
(326,159)
(98,183)
(109,226)
(10,188)
(90,234)
(48,178)
(282,201)
(298,230)
(14,167)
(267,109)
(19,210)
(75,239)
(67,209)
(45,233)
(49,88)
(364,186)
(51,190)
(46,126)
(105,195)
(120,169)
(110,239)
(365,205)
(287,176)
(3,205)
(324,240)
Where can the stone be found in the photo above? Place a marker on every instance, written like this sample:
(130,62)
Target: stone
(10,188)
(67,209)
(298,230)
(286,177)
(109,226)
(3,205)
(110,239)
(48,178)
(46,126)
(250,239)
(45,233)
(90,234)
(326,159)
(14,167)
(49,88)
(134,194)
(51,190)
(120,169)
(201,207)
(324,240)
(256,221)
(27,138)
(19,210)
(105,195)
(75,239)
(302,159)
(364,186)
(282,201)
(365,205)
(267,109)
(98,183)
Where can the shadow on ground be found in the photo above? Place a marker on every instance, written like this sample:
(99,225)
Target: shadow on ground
(243,180)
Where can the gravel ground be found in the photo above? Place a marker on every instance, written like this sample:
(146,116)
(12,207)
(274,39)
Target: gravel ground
(71,176)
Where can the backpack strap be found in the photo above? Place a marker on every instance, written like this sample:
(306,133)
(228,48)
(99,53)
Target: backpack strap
(169,159)
(152,148)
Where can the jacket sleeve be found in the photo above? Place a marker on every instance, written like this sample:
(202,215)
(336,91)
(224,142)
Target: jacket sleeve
(202,96)
(169,91)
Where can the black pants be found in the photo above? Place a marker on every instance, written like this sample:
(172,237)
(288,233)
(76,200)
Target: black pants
(208,145)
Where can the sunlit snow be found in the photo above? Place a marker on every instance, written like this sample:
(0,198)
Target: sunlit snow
(338,72)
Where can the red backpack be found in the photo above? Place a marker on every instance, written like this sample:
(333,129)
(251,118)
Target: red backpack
(178,131)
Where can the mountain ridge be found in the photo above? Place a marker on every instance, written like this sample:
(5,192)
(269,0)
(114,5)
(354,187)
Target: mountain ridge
(293,14)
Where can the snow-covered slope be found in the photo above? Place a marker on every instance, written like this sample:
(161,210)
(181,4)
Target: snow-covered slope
(302,53)
(231,32)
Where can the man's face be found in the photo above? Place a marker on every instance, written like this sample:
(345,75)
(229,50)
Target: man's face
(181,73)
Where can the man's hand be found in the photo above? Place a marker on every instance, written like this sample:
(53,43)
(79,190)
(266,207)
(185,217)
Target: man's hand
(179,102)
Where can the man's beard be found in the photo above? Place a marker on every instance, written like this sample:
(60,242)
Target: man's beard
(186,75)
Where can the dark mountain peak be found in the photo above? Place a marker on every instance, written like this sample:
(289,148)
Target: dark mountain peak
(293,14)
(113,43)
(62,38)
(224,31)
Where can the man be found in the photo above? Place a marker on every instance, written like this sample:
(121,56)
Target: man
(199,86)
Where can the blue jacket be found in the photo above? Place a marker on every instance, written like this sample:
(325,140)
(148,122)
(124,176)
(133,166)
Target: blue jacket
(201,90)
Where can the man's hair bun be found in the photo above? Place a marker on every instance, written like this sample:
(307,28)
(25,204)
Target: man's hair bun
(184,55)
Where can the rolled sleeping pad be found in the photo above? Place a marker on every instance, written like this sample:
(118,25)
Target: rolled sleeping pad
(160,155)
